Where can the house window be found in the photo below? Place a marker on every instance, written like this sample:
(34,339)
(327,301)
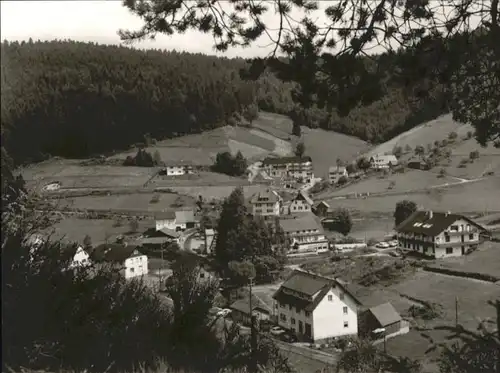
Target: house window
(449,250)
(202,275)
(447,238)
(345,310)
(290,307)
(132,269)
(346,324)
(330,298)
(471,236)
(341,296)
(308,313)
(293,321)
(283,317)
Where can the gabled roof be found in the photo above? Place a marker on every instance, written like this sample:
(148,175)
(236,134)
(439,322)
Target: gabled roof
(386,158)
(285,160)
(184,216)
(265,196)
(243,305)
(385,314)
(113,252)
(421,222)
(308,283)
(302,196)
(317,204)
(301,222)
(165,215)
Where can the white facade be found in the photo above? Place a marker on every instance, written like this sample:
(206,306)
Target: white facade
(298,205)
(335,173)
(292,167)
(383,161)
(307,241)
(80,259)
(177,170)
(165,223)
(456,240)
(135,266)
(266,208)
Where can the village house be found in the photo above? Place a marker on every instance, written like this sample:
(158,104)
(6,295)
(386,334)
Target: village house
(266,203)
(177,221)
(156,239)
(240,310)
(305,234)
(321,208)
(335,173)
(80,257)
(177,169)
(316,308)
(385,161)
(438,234)
(383,316)
(301,203)
(295,167)
(127,258)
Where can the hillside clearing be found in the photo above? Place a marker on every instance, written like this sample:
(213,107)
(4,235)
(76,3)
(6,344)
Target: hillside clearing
(202,178)
(216,192)
(481,196)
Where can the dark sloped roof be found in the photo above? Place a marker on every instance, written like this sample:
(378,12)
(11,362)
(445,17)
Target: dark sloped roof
(285,160)
(167,215)
(309,284)
(301,195)
(243,305)
(184,216)
(112,252)
(317,204)
(430,226)
(301,222)
(265,196)
(385,314)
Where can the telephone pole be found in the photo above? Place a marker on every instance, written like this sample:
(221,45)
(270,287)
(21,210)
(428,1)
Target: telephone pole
(456,312)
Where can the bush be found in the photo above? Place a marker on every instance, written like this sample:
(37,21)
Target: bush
(452,136)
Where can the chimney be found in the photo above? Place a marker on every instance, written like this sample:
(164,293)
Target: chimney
(430,214)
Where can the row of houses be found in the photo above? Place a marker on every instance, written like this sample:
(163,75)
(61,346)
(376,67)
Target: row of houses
(317,309)
(377,162)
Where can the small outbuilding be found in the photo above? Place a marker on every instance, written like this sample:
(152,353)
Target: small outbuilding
(381,316)
(241,310)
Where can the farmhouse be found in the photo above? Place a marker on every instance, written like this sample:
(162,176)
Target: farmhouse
(241,310)
(177,221)
(382,316)
(155,239)
(295,167)
(379,161)
(316,308)
(320,208)
(126,258)
(438,234)
(177,169)
(335,173)
(305,234)
(301,203)
(266,203)
(80,257)
(418,165)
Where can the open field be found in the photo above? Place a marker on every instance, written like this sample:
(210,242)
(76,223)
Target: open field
(371,228)
(469,197)
(202,178)
(75,230)
(437,129)
(411,179)
(324,147)
(277,125)
(216,192)
(129,202)
(480,166)
(484,260)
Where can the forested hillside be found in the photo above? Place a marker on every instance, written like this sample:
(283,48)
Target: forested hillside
(74,99)
(77,99)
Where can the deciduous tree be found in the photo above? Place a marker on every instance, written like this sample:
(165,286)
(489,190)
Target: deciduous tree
(403,210)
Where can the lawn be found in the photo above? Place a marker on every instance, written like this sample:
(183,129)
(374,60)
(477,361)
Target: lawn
(479,196)
(484,260)
(202,178)
(215,192)
(282,148)
(426,133)
(75,229)
(324,147)
(371,228)
(410,180)
(476,169)
(130,202)
(274,124)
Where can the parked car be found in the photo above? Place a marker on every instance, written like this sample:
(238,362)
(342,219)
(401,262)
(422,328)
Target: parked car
(288,337)
(276,331)
(393,243)
(223,313)
(382,245)
(395,254)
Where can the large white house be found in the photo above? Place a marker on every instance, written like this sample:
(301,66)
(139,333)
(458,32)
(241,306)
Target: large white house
(379,161)
(176,221)
(438,234)
(266,203)
(177,169)
(316,308)
(295,167)
(335,173)
(301,203)
(305,234)
(126,258)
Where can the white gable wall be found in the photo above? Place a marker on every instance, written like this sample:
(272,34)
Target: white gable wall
(299,206)
(329,317)
(165,223)
(136,266)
